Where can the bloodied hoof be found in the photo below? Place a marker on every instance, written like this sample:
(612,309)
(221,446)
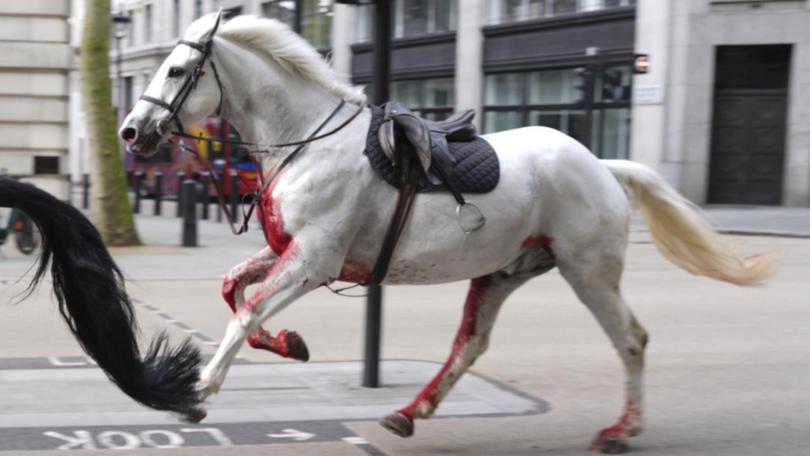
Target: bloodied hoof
(398,423)
(296,347)
(195,416)
(607,445)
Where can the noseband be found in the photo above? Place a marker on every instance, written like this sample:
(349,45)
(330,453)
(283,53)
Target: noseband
(188,85)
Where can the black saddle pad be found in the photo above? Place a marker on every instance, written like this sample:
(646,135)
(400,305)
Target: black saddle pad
(476,168)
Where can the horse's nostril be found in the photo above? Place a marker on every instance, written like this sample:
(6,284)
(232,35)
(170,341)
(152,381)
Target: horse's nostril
(129,134)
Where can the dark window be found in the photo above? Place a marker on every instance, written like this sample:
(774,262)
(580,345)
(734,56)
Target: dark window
(752,67)
(282,10)
(431,98)
(198,8)
(590,104)
(316,22)
(231,12)
(420,17)
(46,165)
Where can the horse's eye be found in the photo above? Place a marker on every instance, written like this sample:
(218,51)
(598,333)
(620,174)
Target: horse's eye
(175,72)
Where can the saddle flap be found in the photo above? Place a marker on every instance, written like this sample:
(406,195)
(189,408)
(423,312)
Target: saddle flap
(458,127)
(387,139)
(400,120)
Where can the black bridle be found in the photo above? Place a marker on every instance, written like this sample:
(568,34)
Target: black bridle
(189,83)
(176,104)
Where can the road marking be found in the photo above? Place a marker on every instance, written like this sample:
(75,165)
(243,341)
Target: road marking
(294,434)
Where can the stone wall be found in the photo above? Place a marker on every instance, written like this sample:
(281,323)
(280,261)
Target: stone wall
(34,87)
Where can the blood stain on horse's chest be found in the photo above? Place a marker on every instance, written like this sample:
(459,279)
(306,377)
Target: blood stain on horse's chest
(354,272)
(273,222)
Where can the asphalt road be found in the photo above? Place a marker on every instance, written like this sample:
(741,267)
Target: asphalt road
(728,367)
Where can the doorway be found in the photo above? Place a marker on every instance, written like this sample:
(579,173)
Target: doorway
(749,124)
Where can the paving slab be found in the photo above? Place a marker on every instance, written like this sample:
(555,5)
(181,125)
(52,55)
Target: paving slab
(260,404)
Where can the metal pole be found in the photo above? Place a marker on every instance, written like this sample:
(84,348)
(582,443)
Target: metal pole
(85,191)
(158,193)
(382,73)
(181,176)
(138,183)
(189,202)
(205,180)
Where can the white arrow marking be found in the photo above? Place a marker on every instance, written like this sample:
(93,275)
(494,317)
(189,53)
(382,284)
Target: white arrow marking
(298,436)
(355,440)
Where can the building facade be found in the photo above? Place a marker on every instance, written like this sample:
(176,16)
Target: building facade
(34,88)
(722,112)
(718,113)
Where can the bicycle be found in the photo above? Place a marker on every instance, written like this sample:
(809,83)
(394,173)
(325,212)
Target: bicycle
(16,222)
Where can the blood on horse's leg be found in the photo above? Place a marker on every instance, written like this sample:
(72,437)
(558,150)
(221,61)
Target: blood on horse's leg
(484,299)
(287,344)
(293,274)
(601,294)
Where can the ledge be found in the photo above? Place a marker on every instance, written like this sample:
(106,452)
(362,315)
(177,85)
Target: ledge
(565,20)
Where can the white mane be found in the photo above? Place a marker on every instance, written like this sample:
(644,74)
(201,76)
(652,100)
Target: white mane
(289,50)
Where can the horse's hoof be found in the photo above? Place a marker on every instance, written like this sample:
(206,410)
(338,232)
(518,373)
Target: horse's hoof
(296,347)
(607,445)
(196,415)
(398,423)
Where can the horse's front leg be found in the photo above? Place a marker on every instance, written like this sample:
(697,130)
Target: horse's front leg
(287,344)
(301,268)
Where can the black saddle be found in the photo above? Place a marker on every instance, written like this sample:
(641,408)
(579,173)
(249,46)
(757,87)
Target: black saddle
(415,154)
(450,154)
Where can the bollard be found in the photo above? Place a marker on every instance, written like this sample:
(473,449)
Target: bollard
(205,194)
(158,193)
(234,195)
(138,182)
(188,199)
(219,204)
(181,176)
(85,191)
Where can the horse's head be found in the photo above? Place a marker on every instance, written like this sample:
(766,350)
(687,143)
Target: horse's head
(184,89)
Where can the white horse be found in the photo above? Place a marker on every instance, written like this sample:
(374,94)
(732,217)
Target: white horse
(326,213)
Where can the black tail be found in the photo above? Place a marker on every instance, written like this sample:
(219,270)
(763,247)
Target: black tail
(94,303)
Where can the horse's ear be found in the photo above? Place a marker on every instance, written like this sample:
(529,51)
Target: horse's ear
(209,35)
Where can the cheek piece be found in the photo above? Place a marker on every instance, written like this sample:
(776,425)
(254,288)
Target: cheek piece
(189,83)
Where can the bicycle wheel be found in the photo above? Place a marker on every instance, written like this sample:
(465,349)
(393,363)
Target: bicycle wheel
(25,234)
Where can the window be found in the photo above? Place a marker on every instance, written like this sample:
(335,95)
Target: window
(127,93)
(198,10)
(591,104)
(316,22)
(431,98)
(229,13)
(363,23)
(421,17)
(502,11)
(283,10)
(176,18)
(147,26)
(46,165)
(131,27)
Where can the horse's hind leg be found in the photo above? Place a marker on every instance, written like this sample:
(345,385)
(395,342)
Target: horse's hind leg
(286,343)
(484,299)
(598,287)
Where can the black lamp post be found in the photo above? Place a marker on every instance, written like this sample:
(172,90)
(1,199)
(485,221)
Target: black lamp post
(382,76)
(121,22)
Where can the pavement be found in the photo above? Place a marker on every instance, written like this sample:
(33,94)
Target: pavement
(728,368)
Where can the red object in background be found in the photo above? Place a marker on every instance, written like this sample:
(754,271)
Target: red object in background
(171,160)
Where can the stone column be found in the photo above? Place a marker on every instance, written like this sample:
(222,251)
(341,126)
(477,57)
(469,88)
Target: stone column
(469,77)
